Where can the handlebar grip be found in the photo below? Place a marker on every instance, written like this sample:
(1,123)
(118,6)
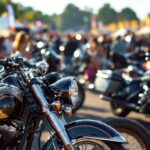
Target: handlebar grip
(9,62)
(52,77)
(3,62)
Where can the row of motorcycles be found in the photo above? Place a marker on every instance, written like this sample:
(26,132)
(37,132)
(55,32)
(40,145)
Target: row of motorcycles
(32,98)
(130,84)
(132,65)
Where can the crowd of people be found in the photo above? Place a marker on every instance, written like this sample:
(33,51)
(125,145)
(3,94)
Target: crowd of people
(100,48)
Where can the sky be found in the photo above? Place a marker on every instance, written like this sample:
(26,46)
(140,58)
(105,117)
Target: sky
(141,7)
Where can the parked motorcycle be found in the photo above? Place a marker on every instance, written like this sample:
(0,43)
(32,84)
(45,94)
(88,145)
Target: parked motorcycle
(136,58)
(70,70)
(43,52)
(124,94)
(136,134)
(27,98)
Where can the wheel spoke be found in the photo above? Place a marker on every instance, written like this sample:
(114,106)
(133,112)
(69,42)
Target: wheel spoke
(90,145)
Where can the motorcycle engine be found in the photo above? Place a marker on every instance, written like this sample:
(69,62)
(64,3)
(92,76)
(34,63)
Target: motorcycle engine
(11,100)
(8,136)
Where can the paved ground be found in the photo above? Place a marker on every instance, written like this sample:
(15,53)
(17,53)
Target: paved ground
(94,108)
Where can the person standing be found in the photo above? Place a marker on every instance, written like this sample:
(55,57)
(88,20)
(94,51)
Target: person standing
(70,47)
(3,50)
(118,49)
(20,44)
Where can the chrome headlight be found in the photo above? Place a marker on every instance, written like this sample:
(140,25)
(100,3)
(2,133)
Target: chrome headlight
(69,89)
(42,66)
(73,92)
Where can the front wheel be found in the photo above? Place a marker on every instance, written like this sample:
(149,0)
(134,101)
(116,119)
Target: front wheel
(85,144)
(91,144)
(118,110)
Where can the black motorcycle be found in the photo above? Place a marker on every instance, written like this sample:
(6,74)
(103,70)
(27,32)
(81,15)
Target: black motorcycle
(124,94)
(44,53)
(28,99)
(136,58)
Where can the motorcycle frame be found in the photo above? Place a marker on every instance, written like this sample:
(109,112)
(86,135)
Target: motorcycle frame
(32,122)
(58,125)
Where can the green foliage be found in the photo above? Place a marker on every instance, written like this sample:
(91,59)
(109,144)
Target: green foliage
(2,7)
(72,16)
(107,14)
(127,14)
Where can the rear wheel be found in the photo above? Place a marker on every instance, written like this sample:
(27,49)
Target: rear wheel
(135,133)
(118,110)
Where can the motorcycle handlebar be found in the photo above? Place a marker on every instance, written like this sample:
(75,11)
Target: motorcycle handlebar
(13,62)
(3,62)
(52,77)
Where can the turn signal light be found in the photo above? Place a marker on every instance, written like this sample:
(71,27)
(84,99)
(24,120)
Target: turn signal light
(68,111)
(57,105)
(68,147)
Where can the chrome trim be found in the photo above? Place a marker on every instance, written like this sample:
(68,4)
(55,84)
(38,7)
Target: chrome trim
(42,66)
(52,117)
(63,120)
(40,96)
(119,139)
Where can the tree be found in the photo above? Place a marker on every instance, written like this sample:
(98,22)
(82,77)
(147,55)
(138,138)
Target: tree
(127,14)
(73,18)
(56,21)
(2,8)
(107,14)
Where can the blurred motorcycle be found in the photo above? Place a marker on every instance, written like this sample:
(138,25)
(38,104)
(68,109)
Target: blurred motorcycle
(124,93)
(137,58)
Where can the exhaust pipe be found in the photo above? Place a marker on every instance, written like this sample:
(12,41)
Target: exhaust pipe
(122,103)
(105,98)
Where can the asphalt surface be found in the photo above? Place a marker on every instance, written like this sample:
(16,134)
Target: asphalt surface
(95,108)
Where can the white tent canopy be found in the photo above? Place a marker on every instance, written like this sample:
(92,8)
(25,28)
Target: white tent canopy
(120,32)
(144,30)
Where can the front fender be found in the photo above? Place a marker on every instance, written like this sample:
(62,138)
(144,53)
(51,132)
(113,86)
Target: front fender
(88,129)
(95,129)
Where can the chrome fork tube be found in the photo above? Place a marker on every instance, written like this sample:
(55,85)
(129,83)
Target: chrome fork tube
(52,117)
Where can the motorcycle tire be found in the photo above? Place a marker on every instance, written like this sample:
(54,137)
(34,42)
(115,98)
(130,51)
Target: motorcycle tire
(81,98)
(87,144)
(135,133)
(99,144)
(119,111)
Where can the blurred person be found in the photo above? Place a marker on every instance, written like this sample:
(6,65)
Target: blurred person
(57,43)
(119,46)
(70,47)
(118,49)
(106,44)
(3,50)
(9,43)
(132,43)
(20,44)
(97,60)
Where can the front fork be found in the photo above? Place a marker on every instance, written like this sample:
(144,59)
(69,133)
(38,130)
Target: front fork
(57,124)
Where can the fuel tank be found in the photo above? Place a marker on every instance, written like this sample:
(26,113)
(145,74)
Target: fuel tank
(11,102)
